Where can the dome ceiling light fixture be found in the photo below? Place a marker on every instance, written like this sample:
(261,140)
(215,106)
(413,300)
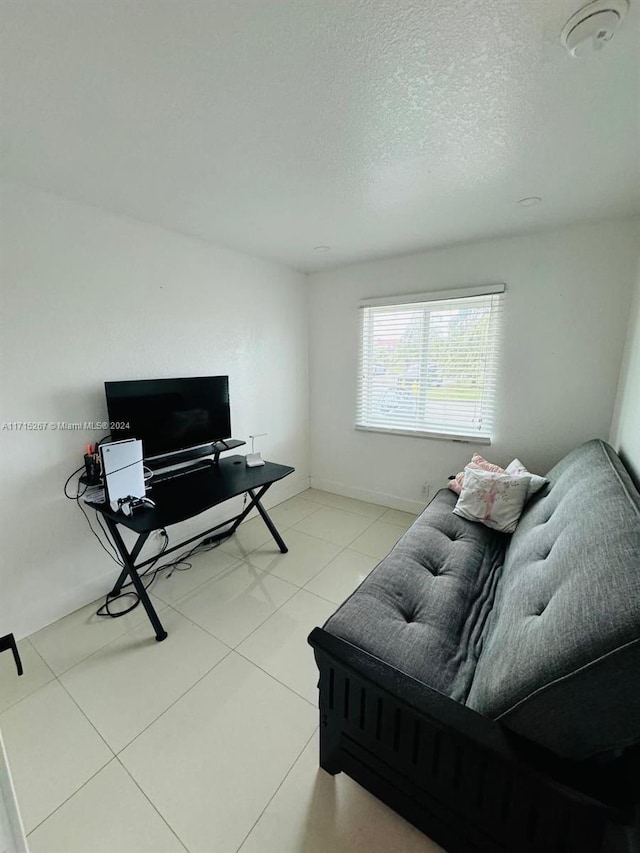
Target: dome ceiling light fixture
(593,25)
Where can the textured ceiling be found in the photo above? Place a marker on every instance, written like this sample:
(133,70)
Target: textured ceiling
(273,126)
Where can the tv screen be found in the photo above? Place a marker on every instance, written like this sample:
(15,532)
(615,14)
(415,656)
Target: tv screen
(170,414)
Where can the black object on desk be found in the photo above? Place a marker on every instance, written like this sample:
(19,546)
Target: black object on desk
(8,643)
(182,498)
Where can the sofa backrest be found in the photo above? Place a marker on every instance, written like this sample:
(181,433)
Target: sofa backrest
(560,661)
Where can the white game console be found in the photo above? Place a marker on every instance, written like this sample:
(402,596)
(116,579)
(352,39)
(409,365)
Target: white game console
(123,472)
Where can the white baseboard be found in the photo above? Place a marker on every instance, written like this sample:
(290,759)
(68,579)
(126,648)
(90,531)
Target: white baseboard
(69,600)
(282,491)
(285,489)
(392,501)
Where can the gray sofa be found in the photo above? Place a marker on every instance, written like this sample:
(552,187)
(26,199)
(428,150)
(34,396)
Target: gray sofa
(487,686)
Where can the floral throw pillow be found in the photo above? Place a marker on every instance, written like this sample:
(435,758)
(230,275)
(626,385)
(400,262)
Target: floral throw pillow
(478,463)
(537,482)
(494,499)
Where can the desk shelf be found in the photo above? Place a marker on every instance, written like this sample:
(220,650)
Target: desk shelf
(214,449)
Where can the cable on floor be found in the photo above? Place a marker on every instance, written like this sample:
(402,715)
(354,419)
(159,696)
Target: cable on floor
(180,564)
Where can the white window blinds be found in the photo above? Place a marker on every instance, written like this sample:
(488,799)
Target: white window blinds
(430,367)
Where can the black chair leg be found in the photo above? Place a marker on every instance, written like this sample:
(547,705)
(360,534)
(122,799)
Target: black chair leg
(9,642)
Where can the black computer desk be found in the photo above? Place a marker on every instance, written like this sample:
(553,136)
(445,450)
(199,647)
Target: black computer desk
(182,498)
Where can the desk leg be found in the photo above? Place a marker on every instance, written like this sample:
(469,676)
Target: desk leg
(124,574)
(255,501)
(130,569)
(133,556)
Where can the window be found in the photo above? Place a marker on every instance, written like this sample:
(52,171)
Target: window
(429,367)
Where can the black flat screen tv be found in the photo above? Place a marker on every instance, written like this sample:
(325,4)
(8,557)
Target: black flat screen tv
(170,415)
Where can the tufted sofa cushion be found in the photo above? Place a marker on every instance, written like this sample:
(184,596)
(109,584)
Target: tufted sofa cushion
(560,661)
(424,607)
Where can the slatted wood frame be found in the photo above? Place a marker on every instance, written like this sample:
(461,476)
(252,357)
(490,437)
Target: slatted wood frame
(462,778)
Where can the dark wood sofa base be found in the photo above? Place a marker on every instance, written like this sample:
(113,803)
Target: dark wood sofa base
(459,777)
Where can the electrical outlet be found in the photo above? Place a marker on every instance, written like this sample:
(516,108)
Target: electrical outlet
(425,490)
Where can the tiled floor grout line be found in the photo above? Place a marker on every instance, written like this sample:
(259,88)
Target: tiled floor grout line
(216,577)
(215,636)
(271,675)
(236,647)
(321,539)
(54,677)
(117,755)
(282,781)
(113,754)
(208,580)
(66,671)
(171,606)
(160,610)
(181,696)
(213,579)
(344,497)
(245,559)
(222,572)
(266,572)
(150,801)
(299,589)
(354,514)
(48,683)
(219,576)
(317,595)
(109,747)
(210,633)
(111,750)
(37,651)
(66,800)
(161,600)
(279,607)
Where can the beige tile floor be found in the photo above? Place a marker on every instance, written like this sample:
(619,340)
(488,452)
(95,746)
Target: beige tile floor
(206,742)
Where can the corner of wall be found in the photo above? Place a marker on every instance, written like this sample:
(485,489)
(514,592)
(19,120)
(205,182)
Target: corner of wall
(625,423)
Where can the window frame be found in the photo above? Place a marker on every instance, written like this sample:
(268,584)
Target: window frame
(392,302)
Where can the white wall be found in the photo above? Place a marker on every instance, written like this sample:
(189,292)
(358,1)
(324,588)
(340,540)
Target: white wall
(566,309)
(88,296)
(625,428)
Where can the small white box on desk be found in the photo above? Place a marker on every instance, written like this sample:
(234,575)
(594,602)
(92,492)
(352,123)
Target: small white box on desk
(254,458)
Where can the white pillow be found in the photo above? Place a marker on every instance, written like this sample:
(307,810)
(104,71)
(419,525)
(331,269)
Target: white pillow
(496,500)
(537,482)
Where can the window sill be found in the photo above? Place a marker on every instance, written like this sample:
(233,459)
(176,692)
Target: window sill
(440,436)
